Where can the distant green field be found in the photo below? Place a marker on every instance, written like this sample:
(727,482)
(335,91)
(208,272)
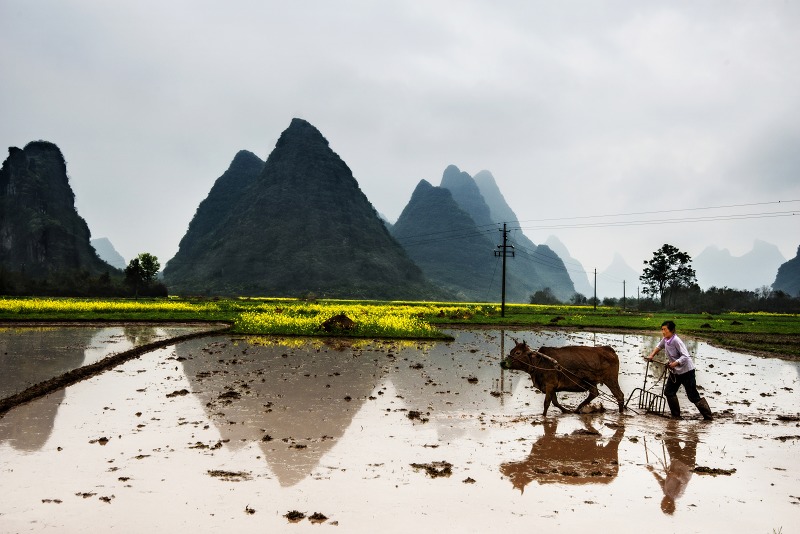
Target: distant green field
(761,332)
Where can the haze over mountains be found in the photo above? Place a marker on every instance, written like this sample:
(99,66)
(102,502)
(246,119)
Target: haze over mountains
(719,268)
(298,224)
(105,249)
(451,233)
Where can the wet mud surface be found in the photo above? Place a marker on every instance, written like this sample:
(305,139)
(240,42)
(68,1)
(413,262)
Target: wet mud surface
(38,360)
(268,434)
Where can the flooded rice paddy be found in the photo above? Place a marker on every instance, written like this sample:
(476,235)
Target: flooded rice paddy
(246,434)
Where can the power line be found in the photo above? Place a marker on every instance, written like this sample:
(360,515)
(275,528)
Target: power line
(445,235)
(714,218)
(664,211)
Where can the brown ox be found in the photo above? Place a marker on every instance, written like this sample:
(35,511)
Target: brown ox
(574,368)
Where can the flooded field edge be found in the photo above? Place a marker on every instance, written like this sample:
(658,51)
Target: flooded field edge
(230,432)
(87,371)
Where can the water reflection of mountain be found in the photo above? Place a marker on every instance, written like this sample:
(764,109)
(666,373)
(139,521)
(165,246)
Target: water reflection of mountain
(448,380)
(581,457)
(28,427)
(294,398)
(27,358)
(31,355)
(27,355)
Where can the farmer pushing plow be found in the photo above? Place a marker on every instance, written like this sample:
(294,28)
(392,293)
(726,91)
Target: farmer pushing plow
(681,372)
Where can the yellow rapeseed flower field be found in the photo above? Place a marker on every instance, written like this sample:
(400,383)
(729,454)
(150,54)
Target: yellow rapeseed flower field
(307,318)
(53,305)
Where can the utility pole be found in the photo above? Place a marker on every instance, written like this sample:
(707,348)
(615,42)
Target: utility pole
(623,295)
(595,289)
(504,253)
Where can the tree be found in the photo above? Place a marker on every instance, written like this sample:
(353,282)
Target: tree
(141,271)
(578,299)
(668,270)
(544,296)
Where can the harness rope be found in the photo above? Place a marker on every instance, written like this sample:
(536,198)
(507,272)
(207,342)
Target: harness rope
(558,367)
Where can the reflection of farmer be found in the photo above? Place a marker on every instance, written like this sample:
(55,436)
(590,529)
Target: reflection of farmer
(681,464)
(682,372)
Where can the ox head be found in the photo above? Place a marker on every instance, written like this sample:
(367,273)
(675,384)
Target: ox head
(517,358)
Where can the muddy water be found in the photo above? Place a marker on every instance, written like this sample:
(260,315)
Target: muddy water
(235,433)
(32,354)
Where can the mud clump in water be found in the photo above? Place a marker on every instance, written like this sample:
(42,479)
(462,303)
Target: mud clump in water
(294,516)
(713,471)
(230,476)
(317,517)
(417,415)
(435,469)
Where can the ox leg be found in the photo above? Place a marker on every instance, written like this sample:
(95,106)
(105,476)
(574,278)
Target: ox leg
(557,404)
(618,394)
(593,393)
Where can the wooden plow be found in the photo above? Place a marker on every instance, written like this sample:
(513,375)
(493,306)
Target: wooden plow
(647,400)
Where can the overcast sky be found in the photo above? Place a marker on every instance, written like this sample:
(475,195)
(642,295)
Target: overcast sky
(579,109)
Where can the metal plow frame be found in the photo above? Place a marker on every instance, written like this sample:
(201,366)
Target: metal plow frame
(648,401)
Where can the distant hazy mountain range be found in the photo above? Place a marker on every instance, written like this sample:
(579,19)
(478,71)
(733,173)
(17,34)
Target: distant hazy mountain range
(298,224)
(719,268)
(108,253)
(453,231)
(579,275)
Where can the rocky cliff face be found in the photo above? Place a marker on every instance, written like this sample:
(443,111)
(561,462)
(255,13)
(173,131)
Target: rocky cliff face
(41,232)
(788,277)
(297,224)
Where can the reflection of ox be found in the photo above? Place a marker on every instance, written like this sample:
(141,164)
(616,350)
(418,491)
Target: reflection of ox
(574,368)
(577,458)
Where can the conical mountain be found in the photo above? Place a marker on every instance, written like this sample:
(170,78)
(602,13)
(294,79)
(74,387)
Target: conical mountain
(499,209)
(196,262)
(448,246)
(534,268)
(547,264)
(617,280)
(301,226)
(788,277)
(41,233)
